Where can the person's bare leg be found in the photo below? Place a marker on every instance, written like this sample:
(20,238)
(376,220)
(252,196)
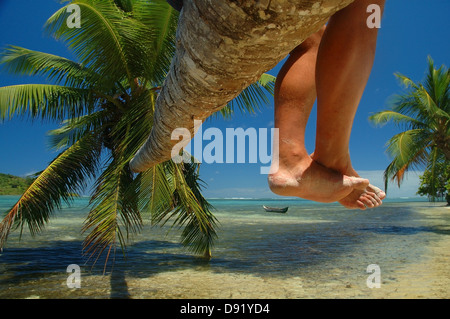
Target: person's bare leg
(297,174)
(344,63)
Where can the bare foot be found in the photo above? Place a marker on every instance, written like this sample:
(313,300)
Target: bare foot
(310,180)
(371,197)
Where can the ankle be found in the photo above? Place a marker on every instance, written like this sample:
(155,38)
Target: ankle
(291,155)
(341,164)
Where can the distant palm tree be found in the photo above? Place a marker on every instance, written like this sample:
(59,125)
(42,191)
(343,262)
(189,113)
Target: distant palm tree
(106,100)
(424,112)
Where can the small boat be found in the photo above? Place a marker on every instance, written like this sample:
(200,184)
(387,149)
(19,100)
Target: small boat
(275,209)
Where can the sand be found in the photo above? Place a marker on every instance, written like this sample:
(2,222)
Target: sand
(428,278)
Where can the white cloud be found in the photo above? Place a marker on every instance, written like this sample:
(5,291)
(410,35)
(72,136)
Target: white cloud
(30,173)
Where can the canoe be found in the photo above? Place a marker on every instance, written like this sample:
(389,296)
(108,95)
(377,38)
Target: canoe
(275,209)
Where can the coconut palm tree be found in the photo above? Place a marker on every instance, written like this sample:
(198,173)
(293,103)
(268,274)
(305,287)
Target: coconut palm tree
(106,102)
(424,112)
(220,51)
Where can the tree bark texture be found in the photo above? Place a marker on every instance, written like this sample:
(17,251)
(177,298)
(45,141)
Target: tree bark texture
(223,46)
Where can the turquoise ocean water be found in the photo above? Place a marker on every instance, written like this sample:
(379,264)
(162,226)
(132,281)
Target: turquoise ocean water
(314,244)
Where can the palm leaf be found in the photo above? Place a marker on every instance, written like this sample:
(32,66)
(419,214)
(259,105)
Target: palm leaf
(44,101)
(383,117)
(437,84)
(125,5)
(23,61)
(75,128)
(64,177)
(156,192)
(433,110)
(131,128)
(97,44)
(199,239)
(409,149)
(175,195)
(193,211)
(161,21)
(251,98)
(116,212)
(114,215)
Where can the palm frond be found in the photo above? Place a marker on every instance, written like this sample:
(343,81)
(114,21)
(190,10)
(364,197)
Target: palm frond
(114,215)
(433,111)
(137,121)
(75,128)
(116,201)
(172,193)
(437,84)
(252,98)
(125,5)
(156,193)
(383,117)
(63,178)
(23,61)
(193,211)
(98,44)
(199,239)
(161,21)
(51,102)
(405,81)
(409,149)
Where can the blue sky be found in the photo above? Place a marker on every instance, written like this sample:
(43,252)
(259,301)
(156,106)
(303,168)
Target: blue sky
(410,32)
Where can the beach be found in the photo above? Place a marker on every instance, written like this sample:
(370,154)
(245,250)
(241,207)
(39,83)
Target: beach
(313,251)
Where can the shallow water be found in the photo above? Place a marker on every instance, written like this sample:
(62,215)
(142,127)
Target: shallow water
(313,249)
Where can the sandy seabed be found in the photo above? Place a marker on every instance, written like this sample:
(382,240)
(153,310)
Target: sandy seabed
(428,278)
(422,276)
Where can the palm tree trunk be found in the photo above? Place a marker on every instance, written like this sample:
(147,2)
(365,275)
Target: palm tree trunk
(221,49)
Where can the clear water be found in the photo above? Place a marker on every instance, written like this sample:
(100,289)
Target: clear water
(311,249)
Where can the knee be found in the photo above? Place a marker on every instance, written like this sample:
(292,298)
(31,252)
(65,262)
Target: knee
(315,38)
(311,43)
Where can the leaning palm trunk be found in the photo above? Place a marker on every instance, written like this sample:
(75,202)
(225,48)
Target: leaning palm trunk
(223,47)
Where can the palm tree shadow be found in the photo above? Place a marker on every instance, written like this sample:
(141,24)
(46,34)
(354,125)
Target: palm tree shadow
(409,230)
(119,286)
(23,267)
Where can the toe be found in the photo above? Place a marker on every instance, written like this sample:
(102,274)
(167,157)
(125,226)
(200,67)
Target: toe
(361,205)
(374,198)
(367,200)
(379,192)
(359,183)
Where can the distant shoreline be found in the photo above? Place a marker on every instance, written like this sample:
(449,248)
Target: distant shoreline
(11,185)
(292,199)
